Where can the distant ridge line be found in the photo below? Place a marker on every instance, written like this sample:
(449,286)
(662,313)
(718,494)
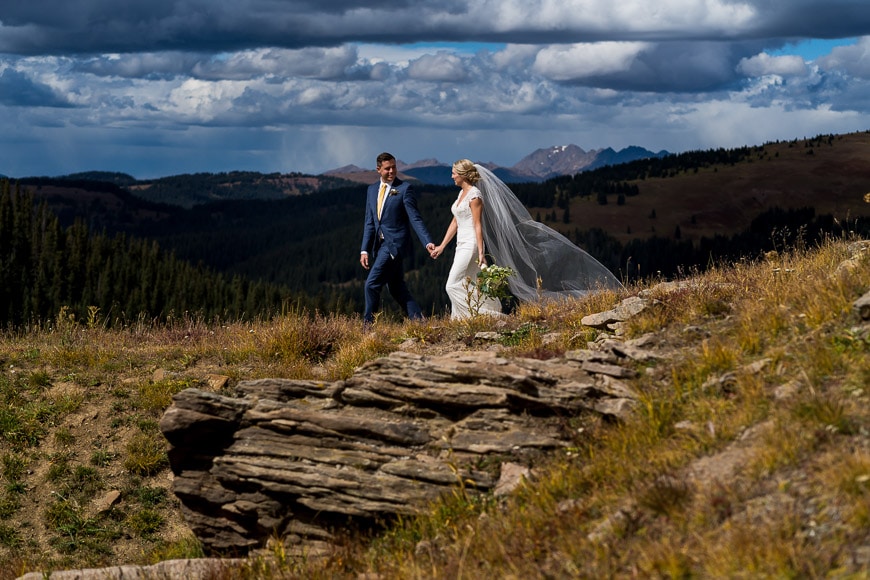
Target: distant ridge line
(540,165)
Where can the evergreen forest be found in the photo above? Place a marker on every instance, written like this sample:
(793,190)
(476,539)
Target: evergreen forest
(47,269)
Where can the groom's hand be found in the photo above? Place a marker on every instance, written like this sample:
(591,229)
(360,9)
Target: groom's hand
(431,248)
(364,260)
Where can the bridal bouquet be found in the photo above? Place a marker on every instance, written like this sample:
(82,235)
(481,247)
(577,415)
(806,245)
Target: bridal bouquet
(492,281)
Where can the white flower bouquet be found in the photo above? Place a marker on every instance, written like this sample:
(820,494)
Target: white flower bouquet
(492,281)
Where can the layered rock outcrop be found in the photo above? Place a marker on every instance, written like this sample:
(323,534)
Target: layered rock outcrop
(300,459)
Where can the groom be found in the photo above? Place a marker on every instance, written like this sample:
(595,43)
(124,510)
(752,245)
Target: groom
(391,212)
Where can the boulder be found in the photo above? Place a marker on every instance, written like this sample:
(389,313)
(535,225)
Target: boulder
(301,459)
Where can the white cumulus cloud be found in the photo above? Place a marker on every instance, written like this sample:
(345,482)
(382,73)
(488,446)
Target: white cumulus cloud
(765,64)
(438,67)
(575,61)
(854,59)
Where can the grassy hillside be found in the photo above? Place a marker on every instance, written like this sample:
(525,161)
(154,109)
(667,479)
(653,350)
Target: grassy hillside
(748,455)
(830,174)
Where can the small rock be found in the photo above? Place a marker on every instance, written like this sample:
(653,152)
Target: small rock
(617,328)
(610,527)
(787,391)
(607,369)
(757,366)
(163,375)
(217,382)
(644,341)
(551,337)
(487,335)
(589,355)
(512,475)
(568,505)
(631,351)
(105,503)
(862,306)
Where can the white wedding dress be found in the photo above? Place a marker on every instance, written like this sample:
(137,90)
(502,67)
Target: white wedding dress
(464,297)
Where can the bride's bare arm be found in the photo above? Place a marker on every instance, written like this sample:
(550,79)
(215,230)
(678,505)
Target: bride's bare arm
(476,212)
(448,235)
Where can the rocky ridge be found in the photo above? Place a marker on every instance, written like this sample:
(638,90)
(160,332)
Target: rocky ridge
(299,459)
(302,458)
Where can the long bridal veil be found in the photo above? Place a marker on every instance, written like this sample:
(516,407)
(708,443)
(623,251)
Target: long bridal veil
(548,265)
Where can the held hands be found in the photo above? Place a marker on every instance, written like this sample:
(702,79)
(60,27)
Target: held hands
(434,252)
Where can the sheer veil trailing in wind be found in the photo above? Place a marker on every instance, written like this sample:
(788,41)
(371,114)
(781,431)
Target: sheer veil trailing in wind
(535,251)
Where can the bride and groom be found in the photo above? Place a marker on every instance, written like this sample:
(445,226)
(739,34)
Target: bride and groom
(488,220)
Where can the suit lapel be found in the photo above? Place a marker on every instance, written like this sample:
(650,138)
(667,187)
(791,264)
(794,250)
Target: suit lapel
(395,185)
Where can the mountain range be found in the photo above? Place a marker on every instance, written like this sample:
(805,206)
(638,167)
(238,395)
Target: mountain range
(538,166)
(188,190)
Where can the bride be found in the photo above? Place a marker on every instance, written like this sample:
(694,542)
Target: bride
(467,226)
(546,263)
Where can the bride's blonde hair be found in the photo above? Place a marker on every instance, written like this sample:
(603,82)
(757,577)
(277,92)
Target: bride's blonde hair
(465,168)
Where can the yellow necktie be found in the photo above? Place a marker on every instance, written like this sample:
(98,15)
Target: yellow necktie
(381,198)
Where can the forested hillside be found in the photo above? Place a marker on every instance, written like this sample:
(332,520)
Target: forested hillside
(194,189)
(311,242)
(308,243)
(46,269)
(649,218)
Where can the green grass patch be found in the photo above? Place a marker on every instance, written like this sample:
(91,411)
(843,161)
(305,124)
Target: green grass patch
(146,454)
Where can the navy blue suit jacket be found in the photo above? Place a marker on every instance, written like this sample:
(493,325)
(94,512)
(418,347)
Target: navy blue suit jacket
(399,215)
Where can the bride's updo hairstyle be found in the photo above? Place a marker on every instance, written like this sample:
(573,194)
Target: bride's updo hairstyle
(466,169)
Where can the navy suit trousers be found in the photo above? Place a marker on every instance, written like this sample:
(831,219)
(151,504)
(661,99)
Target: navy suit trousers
(389,271)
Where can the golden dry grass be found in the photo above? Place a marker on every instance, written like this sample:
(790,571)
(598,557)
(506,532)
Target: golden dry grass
(748,455)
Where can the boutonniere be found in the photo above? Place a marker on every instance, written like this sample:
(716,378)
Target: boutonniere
(394,191)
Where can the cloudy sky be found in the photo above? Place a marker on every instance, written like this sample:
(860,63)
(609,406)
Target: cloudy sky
(162,87)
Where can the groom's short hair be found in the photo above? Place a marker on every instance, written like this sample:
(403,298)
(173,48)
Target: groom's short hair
(385,157)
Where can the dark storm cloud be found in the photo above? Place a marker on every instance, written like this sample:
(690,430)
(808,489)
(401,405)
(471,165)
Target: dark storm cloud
(314,62)
(660,67)
(17,90)
(43,27)
(812,18)
(106,26)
